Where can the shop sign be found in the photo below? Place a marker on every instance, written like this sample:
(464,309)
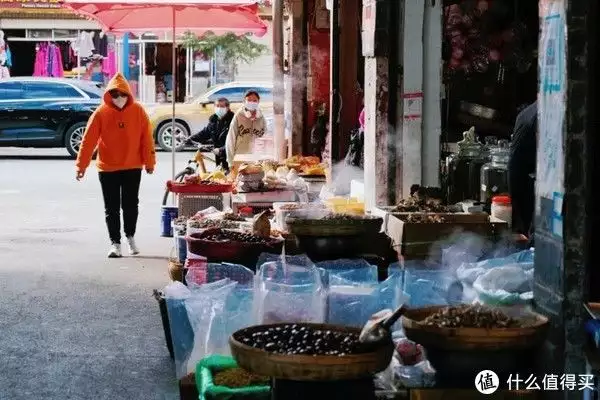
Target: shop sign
(30,4)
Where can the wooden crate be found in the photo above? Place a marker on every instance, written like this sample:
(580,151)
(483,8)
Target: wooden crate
(425,240)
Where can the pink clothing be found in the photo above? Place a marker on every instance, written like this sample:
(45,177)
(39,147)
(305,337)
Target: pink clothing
(361,119)
(109,64)
(48,61)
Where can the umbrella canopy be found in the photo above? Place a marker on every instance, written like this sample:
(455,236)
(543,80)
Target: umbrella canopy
(197,16)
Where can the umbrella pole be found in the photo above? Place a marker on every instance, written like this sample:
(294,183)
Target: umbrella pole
(174,86)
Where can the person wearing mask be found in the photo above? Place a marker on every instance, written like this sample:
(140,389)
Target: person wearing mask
(216,131)
(521,170)
(122,133)
(247,125)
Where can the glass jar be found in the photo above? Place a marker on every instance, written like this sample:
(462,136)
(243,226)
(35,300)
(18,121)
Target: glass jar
(463,170)
(489,142)
(502,209)
(494,174)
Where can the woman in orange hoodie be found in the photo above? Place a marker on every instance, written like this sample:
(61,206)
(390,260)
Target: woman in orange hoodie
(122,133)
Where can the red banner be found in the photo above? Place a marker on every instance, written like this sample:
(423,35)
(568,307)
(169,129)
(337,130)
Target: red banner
(30,4)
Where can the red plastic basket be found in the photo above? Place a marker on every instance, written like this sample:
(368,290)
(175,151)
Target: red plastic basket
(178,187)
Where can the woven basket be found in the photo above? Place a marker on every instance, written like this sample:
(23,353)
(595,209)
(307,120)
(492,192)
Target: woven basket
(176,270)
(310,368)
(529,335)
(242,253)
(333,227)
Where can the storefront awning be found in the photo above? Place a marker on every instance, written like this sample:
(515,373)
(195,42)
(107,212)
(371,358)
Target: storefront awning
(197,16)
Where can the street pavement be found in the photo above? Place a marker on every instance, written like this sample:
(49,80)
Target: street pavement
(74,324)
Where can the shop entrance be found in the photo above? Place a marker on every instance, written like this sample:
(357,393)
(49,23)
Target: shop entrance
(490,65)
(150,70)
(23,58)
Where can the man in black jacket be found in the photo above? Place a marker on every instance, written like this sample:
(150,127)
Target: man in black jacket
(216,131)
(521,170)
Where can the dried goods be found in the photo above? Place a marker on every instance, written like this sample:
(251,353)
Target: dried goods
(212,223)
(231,236)
(292,207)
(343,217)
(296,339)
(421,204)
(471,316)
(233,217)
(424,218)
(238,378)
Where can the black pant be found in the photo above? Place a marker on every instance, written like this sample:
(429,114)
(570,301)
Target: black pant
(120,189)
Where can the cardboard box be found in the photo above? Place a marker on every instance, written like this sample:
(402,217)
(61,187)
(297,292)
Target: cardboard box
(425,240)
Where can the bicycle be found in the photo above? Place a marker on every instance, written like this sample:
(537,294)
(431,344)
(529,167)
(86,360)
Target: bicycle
(195,166)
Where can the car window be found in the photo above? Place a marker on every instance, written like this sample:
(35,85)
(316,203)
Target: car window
(49,90)
(93,90)
(233,94)
(11,91)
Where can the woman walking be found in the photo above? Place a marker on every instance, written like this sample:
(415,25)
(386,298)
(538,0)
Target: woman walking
(122,133)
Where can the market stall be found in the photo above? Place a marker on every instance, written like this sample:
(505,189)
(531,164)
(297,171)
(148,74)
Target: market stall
(254,270)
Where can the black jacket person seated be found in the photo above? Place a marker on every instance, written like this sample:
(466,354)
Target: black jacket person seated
(216,131)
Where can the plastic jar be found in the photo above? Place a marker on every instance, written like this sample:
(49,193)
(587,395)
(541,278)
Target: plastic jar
(502,208)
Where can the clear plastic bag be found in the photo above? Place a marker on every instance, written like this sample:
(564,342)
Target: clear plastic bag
(237,314)
(469,272)
(205,307)
(289,293)
(352,304)
(353,270)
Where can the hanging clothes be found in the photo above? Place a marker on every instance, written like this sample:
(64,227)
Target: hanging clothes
(100,42)
(109,63)
(48,61)
(84,45)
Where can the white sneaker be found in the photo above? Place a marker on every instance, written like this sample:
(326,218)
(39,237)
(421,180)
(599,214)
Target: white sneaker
(115,251)
(133,249)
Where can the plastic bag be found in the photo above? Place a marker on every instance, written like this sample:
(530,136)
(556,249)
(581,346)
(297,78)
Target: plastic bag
(352,304)
(209,366)
(507,285)
(430,286)
(289,293)
(204,307)
(236,314)
(412,369)
(182,334)
(353,270)
(469,272)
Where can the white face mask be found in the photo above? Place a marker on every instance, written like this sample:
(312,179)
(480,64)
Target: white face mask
(220,111)
(120,102)
(251,105)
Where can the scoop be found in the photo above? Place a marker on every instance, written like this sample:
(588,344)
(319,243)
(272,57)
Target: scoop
(381,329)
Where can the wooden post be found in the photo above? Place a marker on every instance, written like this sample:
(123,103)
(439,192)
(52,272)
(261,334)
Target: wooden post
(278,87)
(299,73)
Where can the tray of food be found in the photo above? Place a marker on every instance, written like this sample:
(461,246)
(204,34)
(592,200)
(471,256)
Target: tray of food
(474,327)
(332,224)
(307,352)
(199,187)
(223,245)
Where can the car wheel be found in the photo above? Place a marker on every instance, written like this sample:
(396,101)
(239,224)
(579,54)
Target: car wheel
(165,135)
(74,137)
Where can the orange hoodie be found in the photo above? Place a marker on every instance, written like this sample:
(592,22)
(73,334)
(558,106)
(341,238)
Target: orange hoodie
(123,136)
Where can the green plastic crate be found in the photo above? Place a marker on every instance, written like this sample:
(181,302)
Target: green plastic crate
(207,367)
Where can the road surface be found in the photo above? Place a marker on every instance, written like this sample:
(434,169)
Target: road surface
(74,324)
